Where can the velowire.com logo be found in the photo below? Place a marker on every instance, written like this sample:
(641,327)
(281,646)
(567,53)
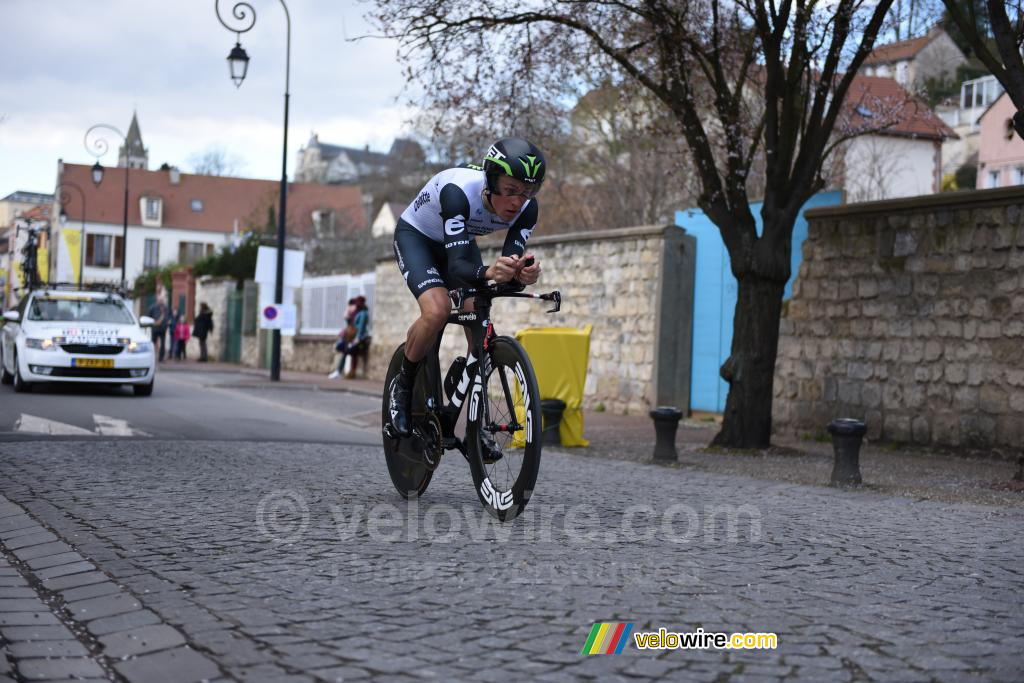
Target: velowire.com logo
(607,638)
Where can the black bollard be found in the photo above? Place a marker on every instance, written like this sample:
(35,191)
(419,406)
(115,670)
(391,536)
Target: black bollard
(551,410)
(666,421)
(847,435)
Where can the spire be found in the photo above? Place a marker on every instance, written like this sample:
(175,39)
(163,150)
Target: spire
(133,154)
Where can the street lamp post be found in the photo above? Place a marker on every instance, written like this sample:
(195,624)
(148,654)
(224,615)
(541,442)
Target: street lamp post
(98,147)
(62,195)
(244,16)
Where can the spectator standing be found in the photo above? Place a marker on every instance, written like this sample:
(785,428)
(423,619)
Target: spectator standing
(203,327)
(181,336)
(354,337)
(345,338)
(362,339)
(158,312)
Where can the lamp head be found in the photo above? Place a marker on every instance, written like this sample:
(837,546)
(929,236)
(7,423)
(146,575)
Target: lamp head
(238,62)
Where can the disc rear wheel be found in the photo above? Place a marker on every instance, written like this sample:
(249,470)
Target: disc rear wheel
(409,471)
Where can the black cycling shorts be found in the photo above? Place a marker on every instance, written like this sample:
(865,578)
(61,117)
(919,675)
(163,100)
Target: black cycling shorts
(423,261)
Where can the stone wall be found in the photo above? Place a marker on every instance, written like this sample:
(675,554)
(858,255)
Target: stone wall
(909,314)
(612,279)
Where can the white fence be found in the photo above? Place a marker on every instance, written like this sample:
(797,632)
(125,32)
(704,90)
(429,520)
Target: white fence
(324,300)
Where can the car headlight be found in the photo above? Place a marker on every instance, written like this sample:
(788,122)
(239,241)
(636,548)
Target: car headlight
(40,344)
(140,347)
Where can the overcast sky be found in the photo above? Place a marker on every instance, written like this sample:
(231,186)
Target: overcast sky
(68,64)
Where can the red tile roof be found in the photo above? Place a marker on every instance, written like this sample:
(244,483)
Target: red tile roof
(224,200)
(898,52)
(874,99)
(40,212)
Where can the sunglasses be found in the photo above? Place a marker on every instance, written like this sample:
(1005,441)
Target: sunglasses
(528,193)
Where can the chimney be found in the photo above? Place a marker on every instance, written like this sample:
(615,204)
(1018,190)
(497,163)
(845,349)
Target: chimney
(175,175)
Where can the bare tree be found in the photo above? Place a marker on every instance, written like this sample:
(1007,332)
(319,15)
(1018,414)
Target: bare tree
(1005,20)
(625,160)
(910,19)
(700,59)
(215,161)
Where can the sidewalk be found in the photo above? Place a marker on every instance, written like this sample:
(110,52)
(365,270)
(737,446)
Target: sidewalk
(914,473)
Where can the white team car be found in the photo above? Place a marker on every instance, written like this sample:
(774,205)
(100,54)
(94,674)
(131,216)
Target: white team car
(59,335)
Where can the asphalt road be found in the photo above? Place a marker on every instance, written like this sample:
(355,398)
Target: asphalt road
(191,404)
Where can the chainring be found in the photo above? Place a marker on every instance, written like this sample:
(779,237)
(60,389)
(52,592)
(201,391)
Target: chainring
(428,435)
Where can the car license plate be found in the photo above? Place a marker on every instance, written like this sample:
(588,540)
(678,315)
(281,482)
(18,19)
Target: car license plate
(92,362)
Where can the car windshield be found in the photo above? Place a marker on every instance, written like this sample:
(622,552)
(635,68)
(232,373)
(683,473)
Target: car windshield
(46,309)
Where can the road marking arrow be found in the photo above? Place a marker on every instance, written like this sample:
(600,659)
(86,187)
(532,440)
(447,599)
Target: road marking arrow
(110,426)
(39,425)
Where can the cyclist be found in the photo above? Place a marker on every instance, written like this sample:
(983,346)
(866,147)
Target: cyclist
(436,251)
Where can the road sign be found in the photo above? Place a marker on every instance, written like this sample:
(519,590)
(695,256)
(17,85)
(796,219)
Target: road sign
(270,317)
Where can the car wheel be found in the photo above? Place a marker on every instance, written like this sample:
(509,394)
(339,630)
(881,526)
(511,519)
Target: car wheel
(5,377)
(143,389)
(20,385)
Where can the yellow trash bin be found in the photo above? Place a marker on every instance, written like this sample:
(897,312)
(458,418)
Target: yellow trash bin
(559,356)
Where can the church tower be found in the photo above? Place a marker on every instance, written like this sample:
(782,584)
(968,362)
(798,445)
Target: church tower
(132,154)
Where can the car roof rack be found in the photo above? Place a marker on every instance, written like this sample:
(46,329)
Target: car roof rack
(88,286)
(108,287)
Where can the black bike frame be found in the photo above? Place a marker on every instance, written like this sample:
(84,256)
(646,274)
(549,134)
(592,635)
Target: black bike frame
(482,332)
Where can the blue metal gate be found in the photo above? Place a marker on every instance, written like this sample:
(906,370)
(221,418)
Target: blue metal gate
(715,298)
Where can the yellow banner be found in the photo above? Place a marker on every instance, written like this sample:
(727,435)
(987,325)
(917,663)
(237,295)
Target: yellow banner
(17,277)
(73,243)
(43,264)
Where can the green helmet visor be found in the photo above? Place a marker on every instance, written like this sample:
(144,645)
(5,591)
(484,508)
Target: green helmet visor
(527,170)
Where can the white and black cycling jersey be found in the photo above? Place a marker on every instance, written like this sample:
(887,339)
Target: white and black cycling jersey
(450,210)
(457,193)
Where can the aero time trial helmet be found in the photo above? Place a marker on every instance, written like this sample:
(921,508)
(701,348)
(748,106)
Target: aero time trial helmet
(517,158)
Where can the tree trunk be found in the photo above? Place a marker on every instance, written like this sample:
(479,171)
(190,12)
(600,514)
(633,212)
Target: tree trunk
(750,369)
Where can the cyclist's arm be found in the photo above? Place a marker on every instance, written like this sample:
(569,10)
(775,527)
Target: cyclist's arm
(515,238)
(458,244)
(519,233)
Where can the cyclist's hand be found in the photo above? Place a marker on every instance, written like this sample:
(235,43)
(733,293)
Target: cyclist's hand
(528,275)
(503,270)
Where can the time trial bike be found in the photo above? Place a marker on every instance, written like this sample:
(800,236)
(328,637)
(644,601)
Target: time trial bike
(502,440)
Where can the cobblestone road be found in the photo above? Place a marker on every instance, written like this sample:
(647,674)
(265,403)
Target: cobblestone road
(162,561)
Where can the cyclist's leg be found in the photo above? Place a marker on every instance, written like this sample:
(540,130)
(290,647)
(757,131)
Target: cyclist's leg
(489,446)
(418,258)
(434,307)
(468,305)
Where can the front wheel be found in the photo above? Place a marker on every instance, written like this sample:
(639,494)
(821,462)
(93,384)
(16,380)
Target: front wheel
(20,385)
(5,377)
(504,430)
(409,473)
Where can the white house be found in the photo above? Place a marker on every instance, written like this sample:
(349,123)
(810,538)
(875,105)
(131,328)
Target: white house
(976,96)
(176,217)
(903,158)
(387,218)
(913,62)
